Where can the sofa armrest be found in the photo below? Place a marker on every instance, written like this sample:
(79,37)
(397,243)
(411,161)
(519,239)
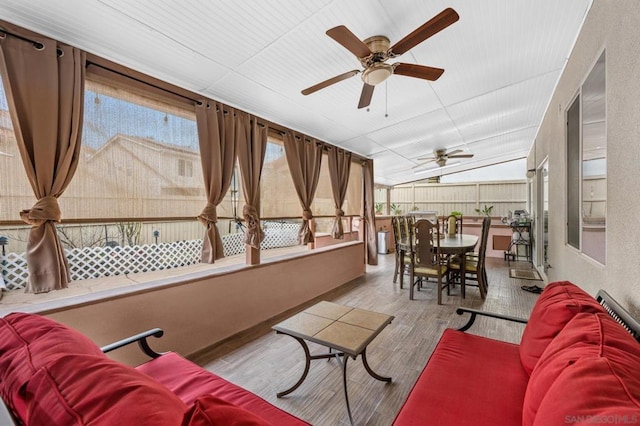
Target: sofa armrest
(620,314)
(141,339)
(475,312)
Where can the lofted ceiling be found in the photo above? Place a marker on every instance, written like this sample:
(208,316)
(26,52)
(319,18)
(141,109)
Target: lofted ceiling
(502,60)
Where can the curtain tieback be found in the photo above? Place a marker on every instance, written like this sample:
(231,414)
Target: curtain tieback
(209,215)
(44,210)
(339,212)
(250,215)
(307,215)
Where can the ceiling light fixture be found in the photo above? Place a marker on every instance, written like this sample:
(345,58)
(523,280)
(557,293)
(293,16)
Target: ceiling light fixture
(377,73)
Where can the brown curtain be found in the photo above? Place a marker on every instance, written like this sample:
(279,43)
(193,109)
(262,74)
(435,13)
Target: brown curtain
(369,214)
(339,168)
(44,85)
(252,145)
(217,138)
(304,157)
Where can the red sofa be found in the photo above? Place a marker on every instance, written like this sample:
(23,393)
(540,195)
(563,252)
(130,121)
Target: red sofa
(575,364)
(52,375)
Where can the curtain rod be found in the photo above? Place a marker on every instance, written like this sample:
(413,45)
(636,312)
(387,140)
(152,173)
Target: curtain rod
(125,75)
(36,44)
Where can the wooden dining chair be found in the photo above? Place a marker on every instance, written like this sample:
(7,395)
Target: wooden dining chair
(400,232)
(426,259)
(474,267)
(457,220)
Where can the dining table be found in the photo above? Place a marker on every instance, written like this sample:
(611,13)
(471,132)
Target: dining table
(456,244)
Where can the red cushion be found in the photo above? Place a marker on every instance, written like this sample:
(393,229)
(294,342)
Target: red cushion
(211,411)
(28,342)
(593,391)
(189,381)
(468,380)
(559,302)
(586,335)
(89,389)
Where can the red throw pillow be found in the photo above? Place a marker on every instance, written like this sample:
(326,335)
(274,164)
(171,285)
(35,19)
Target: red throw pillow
(29,342)
(89,389)
(593,391)
(209,410)
(559,302)
(586,335)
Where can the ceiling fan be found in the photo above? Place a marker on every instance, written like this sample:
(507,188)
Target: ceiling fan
(374,52)
(440,157)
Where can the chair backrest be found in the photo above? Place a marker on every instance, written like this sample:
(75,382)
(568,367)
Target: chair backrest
(408,222)
(458,223)
(426,244)
(484,238)
(397,229)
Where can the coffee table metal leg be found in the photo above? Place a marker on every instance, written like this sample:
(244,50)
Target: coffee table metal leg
(307,356)
(370,371)
(343,361)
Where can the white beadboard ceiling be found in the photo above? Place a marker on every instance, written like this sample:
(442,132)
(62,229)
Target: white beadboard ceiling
(502,60)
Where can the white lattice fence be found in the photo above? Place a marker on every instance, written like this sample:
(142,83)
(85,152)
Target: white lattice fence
(96,262)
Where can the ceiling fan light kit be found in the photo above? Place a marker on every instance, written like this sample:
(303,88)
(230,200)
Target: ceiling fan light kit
(377,73)
(374,51)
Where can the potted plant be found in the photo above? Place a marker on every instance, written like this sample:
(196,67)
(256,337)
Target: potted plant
(378,207)
(486,211)
(395,209)
(455,213)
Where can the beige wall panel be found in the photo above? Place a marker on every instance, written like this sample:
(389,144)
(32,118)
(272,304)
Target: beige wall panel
(612,25)
(204,310)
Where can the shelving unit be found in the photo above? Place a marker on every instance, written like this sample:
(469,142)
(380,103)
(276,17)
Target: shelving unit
(518,240)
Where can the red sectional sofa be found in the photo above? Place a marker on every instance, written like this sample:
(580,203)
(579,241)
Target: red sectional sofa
(575,364)
(53,375)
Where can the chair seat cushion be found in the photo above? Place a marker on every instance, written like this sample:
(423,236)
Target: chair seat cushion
(189,382)
(211,411)
(420,270)
(470,266)
(442,393)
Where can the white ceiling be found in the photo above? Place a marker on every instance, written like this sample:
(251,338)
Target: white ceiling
(502,60)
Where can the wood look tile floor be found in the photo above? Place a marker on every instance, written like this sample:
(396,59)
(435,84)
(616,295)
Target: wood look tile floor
(265,362)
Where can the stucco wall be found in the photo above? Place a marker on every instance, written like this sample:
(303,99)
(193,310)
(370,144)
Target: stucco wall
(610,25)
(202,311)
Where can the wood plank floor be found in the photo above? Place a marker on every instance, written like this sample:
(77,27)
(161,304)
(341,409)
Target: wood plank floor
(265,363)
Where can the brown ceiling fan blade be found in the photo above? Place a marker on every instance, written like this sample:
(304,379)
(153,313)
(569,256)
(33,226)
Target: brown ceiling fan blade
(429,28)
(426,158)
(461,156)
(329,82)
(418,71)
(366,95)
(349,41)
(454,152)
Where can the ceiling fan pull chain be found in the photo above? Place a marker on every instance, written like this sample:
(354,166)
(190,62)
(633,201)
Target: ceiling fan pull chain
(386,99)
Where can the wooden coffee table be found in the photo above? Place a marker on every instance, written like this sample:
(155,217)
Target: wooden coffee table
(343,329)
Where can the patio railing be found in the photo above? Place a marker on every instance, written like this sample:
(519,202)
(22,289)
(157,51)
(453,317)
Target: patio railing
(96,262)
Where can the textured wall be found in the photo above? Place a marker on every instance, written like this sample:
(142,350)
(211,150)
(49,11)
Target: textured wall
(611,25)
(207,308)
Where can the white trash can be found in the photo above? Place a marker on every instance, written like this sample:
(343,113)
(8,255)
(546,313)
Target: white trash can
(382,242)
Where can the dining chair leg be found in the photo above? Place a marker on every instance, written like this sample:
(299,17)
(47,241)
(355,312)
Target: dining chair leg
(481,285)
(439,289)
(411,284)
(401,260)
(397,268)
